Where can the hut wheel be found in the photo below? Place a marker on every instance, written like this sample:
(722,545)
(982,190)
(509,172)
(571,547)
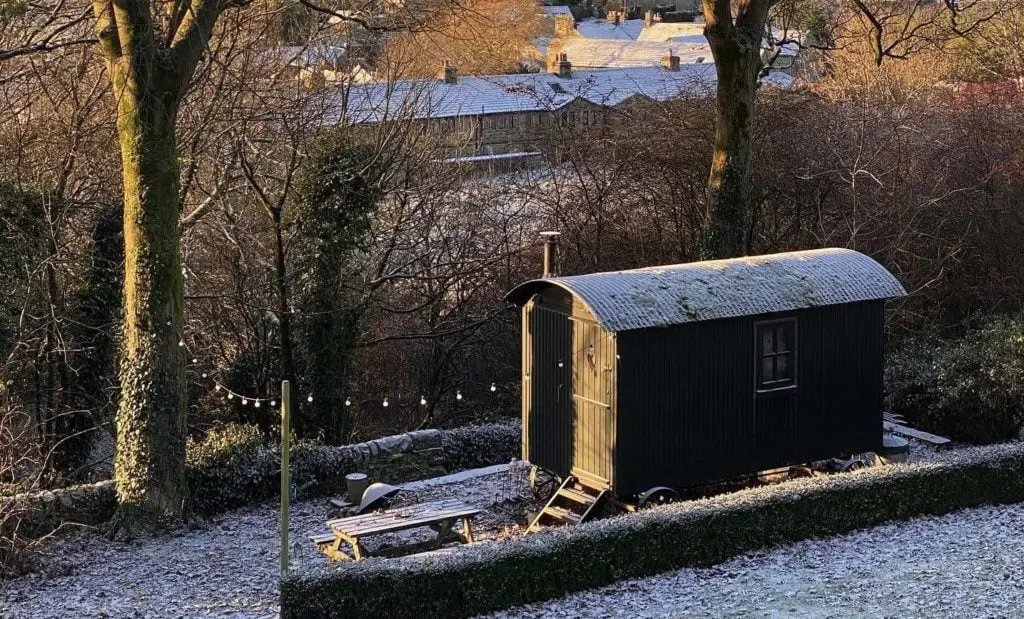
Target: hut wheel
(658,495)
(853,465)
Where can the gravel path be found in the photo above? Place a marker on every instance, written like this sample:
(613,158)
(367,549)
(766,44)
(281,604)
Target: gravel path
(967,564)
(226,568)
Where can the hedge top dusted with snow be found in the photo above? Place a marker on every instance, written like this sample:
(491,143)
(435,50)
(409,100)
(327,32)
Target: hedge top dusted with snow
(492,576)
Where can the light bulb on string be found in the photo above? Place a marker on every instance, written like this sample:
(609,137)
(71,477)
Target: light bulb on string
(194,361)
(385,402)
(204,374)
(181,342)
(494,387)
(244,401)
(256,403)
(273,402)
(231,396)
(458,394)
(560,364)
(309,398)
(348,402)
(423,400)
(216,387)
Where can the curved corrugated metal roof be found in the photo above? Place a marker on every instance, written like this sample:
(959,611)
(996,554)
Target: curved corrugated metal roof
(680,293)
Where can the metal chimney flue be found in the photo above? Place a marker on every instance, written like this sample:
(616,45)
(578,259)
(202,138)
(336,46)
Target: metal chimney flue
(550,253)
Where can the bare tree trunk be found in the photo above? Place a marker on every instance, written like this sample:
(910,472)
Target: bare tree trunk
(285,316)
(736,47)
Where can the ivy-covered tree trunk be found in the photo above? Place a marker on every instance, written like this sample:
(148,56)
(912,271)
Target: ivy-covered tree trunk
(336,192)
(736,47)
(149,465)
(149,74)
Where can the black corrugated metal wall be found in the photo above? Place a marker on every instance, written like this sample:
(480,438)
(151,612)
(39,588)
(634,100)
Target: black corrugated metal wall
(547,388)
(687,411)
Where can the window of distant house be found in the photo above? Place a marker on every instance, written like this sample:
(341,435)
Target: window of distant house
(776,354)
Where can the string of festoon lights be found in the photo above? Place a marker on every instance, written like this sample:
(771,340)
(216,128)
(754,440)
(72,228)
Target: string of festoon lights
(226,393)
(257,402)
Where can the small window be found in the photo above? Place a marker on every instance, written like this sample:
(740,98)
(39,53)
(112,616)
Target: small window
(776,354)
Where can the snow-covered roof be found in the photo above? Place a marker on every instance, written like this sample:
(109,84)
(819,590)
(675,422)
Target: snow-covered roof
(556,10)
(667,31)
(493,157)
(628,29)
(696,291)
(523,92)
(608,53)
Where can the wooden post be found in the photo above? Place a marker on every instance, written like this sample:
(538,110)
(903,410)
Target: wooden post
(286,399)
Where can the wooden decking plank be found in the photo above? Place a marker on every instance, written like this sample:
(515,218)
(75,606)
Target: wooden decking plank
(920,435)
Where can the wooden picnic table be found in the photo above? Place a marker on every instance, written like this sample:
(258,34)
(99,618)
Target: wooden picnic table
(344,542)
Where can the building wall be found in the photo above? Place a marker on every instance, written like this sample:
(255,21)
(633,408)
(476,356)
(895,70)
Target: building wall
(535,130)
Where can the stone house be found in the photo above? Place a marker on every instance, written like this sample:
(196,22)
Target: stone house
(519,118)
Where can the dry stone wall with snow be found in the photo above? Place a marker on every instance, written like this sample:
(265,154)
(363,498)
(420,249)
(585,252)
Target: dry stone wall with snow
(251,475)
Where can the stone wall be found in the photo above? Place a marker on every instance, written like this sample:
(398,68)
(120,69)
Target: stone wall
(253,476)
(37,513)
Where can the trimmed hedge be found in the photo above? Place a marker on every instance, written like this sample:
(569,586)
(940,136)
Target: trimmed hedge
(492,576)
(233,468)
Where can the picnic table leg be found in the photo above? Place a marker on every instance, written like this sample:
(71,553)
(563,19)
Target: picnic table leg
(467,531)
(443,531)
(357,549)
(334,551)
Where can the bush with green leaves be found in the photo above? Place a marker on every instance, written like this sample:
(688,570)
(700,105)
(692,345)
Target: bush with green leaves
(491,576)
(970,388)
(230,467)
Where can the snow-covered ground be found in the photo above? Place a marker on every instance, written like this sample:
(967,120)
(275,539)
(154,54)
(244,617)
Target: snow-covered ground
(228,567)
(967,564)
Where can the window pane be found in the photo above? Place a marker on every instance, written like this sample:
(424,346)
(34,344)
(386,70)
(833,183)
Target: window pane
(766,342)
(782,367)
(767,373)
(782,339)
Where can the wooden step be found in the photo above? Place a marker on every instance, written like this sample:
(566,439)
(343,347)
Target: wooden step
(562,514)
(577,495)
(590,480)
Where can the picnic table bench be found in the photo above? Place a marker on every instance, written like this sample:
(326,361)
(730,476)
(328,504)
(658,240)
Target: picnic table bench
(344,542)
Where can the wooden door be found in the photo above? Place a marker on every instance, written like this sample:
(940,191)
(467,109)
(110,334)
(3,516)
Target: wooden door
(547,405)
(593,399)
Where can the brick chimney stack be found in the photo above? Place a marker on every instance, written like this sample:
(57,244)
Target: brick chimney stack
(670,62)
(564,66)
(448,73)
